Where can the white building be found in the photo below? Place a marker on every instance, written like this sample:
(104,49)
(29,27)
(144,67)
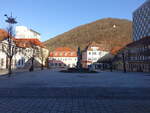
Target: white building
(92,53)
(24,50)
(63,57)
(24,32)
(32,48)
(17,59)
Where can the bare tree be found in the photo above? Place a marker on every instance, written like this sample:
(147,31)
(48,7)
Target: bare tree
(47,60)
(43,56)
(39,53)
(10,50)
(34,54)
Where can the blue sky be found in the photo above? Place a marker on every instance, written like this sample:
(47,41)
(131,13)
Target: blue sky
(53,17)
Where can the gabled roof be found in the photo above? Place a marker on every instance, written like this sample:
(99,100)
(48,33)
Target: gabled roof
(101,47)
(143,41)
(116,49)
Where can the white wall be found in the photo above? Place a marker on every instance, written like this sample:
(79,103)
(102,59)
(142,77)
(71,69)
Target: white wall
(2,60)
(19,60)
(69,61)
(93,55)
(24,32)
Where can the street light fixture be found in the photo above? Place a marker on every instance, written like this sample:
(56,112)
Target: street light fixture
(10,19)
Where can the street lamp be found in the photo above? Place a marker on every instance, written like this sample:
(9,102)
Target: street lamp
(11,21)
(124,63)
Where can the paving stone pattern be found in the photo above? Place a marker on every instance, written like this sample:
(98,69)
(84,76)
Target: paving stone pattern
(74,105)
(53,92)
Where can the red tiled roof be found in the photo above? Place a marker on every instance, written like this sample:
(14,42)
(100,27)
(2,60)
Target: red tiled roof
(63,52)
(22,42)
(3,34)
(86,61)
(115,50)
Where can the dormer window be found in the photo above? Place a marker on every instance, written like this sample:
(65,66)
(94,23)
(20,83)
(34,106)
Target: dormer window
(60,54)
(65,54)
(56,54)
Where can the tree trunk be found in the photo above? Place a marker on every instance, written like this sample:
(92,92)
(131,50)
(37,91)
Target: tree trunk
(32,65)
(47,63)
(9,67)
(111,67)
(42,65)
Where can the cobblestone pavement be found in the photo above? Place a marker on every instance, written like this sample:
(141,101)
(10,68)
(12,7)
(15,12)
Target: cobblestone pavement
(74,105)
(50,78)
(54,92)
(75,100)
(5,71)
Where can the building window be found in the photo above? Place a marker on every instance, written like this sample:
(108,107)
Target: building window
(66,54)
(89,59)
(60,54)
(94,53)
(19,62)
(22,61)
(56,54)
(72,53)
(60,64)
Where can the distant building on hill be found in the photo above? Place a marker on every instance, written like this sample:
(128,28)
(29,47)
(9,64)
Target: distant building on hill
(63,57)
(92,53)
(141,21)
(24,32)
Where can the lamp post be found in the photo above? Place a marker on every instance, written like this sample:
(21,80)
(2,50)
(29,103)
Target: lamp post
(79,65)
(124,63)
(10,52)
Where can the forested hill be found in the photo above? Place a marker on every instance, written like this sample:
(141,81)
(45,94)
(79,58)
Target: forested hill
(111,32)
